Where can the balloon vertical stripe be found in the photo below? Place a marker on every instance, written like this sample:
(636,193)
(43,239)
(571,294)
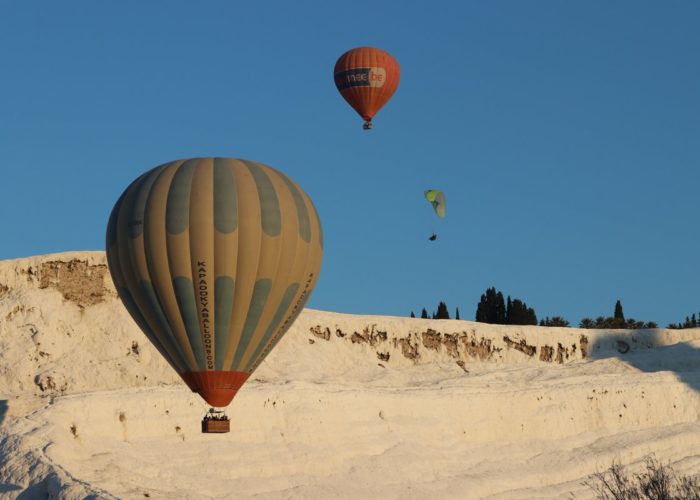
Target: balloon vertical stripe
(178,209)
(257,305)
(275,323)
(165,334)
(184,291)
(302,212)
(122,290)
(247,259)
(202,255)
(128,273)
(225,202)
(158,261)
(137,256)
(223,291)
(269,204)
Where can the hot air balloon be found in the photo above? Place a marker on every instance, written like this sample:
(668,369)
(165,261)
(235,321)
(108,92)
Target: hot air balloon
(366,78)
(437,199)
(214,258)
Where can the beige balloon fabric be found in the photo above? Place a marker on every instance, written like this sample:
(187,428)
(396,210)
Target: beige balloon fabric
(214,258)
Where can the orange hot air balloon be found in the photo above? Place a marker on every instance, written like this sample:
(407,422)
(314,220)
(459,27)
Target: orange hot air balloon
(366,78)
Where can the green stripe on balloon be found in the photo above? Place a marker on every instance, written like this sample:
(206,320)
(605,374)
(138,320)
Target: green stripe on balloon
(269,204)
(257,305)
(225,198)
(112,229)
(184,293)
(135,312)
(164,328)
(177,211)
(302,212)
(274,323)
(223,297)
(320,229)
(135,216)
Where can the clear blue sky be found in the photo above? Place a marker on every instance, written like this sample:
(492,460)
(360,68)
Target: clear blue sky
(566,136)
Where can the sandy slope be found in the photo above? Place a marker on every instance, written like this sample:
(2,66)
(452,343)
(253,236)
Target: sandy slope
(345,407)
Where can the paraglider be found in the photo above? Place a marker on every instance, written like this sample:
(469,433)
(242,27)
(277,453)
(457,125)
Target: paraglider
(366,77)
(437,199)
(214,258)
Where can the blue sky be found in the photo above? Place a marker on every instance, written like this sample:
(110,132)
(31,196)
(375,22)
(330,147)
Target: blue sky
(565,135)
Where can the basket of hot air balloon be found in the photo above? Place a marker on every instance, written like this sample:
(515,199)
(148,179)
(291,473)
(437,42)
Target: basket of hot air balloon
(214,258)
(215,422)
(366,77)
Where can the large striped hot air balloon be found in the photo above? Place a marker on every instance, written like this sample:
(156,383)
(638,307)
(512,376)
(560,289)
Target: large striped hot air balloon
(366,78)
(214,258)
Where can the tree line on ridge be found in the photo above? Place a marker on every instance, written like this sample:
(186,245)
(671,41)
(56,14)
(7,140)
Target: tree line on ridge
(495,309)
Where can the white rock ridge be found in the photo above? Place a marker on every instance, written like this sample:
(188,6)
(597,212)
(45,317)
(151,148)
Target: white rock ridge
(345,406)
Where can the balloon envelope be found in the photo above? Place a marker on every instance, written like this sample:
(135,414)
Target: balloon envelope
(366,77)
(214,258)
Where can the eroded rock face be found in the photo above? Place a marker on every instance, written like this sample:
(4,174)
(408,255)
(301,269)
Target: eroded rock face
(432,339)
(383,356)
(521,346)
(546,353)
(481,348)
(408,349)
(549,354)
(450,342)
(77,281)
(461,346)
(583,343)
(370,334)
(321,333)
(51,383)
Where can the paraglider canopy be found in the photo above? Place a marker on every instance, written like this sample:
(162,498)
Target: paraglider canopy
(437,200)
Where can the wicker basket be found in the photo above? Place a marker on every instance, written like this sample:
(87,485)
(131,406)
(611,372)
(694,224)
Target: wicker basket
(217,426)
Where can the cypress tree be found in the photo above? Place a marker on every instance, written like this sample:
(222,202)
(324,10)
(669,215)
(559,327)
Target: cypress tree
(457,313)
(531,316)
(500,313)
(483,307)
(619,315)
(413,315)
(442,312)
(516,313)
(493,309)
(424,314)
